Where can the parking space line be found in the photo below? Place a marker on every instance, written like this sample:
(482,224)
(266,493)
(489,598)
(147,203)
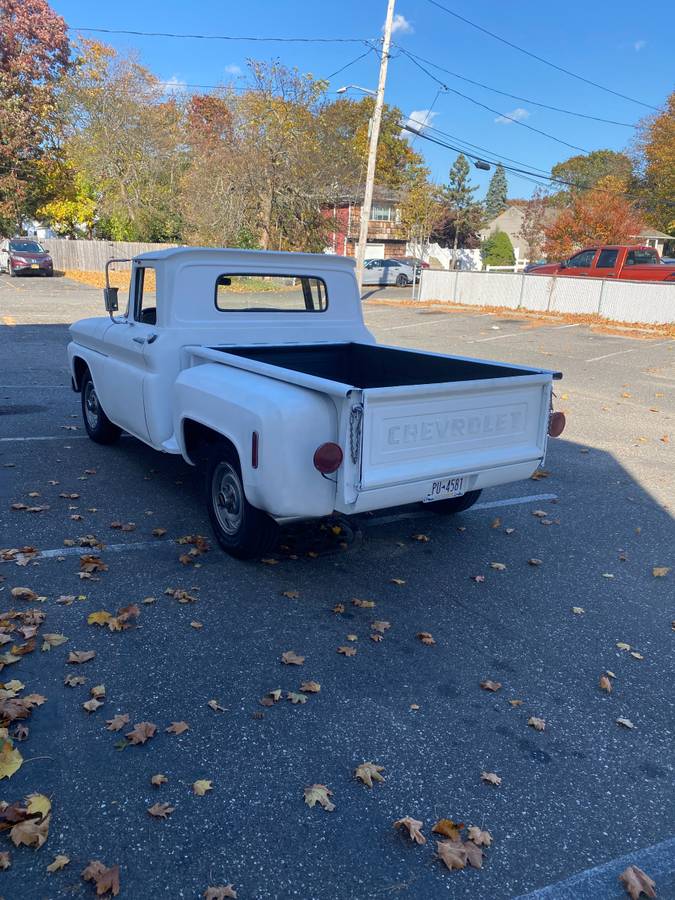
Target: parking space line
(497,337)
(48,437)
(410,325)
(108,548)
(632,350)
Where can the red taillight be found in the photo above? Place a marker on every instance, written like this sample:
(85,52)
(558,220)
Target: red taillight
(254,449)
(556,424)
(328,458)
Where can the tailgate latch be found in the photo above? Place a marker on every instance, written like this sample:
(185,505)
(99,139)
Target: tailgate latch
(355,426)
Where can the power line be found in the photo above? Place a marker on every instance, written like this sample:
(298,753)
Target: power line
(487,87)
(484,149)
(221,37)
(489,108)
(540,59)
(347,65)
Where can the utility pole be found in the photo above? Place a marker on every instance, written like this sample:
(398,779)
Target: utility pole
(372,149)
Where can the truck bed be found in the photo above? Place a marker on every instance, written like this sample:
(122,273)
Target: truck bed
(371,366)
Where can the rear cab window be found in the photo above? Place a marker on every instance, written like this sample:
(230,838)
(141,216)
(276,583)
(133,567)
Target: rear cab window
(270,293)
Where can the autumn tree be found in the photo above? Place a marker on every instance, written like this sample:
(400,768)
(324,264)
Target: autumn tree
(586,170)
(654,155)
(463,215)
(601,215)
(34,54)
(497,192)
(534,220)
(421,211)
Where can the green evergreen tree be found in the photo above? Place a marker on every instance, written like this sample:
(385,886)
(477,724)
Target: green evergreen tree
(495,199)
(497,250)
(458,196)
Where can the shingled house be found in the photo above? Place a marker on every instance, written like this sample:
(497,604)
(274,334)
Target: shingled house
(386,236)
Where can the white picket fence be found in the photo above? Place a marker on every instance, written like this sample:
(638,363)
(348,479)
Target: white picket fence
(646,302)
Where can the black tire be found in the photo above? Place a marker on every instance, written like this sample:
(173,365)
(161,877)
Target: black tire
(401,280)
(242,530)
(10,269)
(98,426)
(454,504)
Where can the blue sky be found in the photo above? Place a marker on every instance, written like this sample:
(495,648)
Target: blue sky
(614,44)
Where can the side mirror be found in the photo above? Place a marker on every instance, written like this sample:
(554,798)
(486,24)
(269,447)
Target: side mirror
(563,264)
(110,298)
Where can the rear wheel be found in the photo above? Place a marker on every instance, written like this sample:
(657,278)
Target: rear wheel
(99,427)
(454,504)
(10,269)
(401,280)
(242,530)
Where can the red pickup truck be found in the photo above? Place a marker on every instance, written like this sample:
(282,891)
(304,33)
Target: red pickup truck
(635,263)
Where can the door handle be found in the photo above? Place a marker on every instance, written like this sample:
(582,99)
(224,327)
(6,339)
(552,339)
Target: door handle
(138,340)
(150,339)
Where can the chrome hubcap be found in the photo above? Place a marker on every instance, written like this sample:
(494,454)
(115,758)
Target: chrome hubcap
(228,498)
(91,407)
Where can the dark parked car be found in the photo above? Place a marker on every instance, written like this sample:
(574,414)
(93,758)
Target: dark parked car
(21,256)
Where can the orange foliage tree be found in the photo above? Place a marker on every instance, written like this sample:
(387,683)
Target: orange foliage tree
(602,215)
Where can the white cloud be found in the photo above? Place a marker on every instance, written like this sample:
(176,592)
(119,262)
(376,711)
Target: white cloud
(174,86)
(518,114)
(401,25)
(233,69)
(639,45)
(419,119)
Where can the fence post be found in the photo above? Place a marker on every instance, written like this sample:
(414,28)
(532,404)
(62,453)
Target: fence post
(602,291)
(454,289)
(520,296)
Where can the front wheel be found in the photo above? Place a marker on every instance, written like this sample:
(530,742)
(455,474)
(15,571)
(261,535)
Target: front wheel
(99,427)
(454,504)
(242,530)
(401,280)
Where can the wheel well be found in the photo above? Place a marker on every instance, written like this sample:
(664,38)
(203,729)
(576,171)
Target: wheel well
(198,440)
(79,368)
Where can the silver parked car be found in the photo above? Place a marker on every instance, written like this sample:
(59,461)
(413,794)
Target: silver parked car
(388,271)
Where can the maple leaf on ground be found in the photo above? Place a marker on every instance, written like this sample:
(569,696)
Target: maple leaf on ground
(52,640)
(380,625)
(74,680)
(480,838)
(158,532)
(59,862)
(448,828)
(625,722)
(24,593)
(5,859)
(107,880)
(215,706)
(102,617)
(319,793)
(158,780)
(310,687)
(118,722)
(31,832)
(98,691)
(338,608)
(490,685)
(296,698)
(161,810)
(201,786)
(291,658)
(637,882)
(10,758)
(177,728)
(605,684)
(660,571)
(363,604)
(414,827)
(491,778)
(426,637)
(80,656)
(291,595)
(474,854)
(92,705)
(452,853)
(347,651)
(398,581)
(536,723)
(141,732)
(500,567)
(368,772)
(220,892)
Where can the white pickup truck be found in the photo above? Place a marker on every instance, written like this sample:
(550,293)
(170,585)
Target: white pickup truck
(260,364)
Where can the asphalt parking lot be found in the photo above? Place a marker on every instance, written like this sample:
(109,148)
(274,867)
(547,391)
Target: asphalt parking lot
(577,803)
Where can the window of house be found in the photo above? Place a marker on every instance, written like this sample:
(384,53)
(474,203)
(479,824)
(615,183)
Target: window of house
(270,293)
(607,259)
(384,212)
(641,258)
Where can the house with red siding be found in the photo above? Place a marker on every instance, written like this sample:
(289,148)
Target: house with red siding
(386,235)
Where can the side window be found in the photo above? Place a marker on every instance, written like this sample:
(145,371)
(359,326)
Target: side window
(582,260)
(641,258)
(145,295)
(607,259)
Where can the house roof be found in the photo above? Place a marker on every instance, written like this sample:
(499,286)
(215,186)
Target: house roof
(380,192)
(654,233)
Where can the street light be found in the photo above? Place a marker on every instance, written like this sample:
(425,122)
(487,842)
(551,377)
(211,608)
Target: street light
(481,164)
(355,87)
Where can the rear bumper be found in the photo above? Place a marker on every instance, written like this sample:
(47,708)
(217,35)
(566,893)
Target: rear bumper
(416,491)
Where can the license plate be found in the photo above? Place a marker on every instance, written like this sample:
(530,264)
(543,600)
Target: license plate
(444,488)
(35,266)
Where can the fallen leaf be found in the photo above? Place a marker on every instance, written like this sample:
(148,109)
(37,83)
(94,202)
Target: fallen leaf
(221,892)
(491,685)
(491,778)
(292,595)
(319,793)
(660,571)
(347,651)
(270,561)
(363,604)
(540,473)
(291,658)
(605,684)
(117,722)
(422,538)
(106,879)
(537,724)
(452,853)
(474,854)
(352,637)
(80,656)
(296,698)
(161,810)
(59,862)
(398,581)
(509,530)
(310,687)
(578,610)
(141,732)
(426,637)
(31,832)
(414,827)
(5,859)
(201,787)
(158,780)
(480,838)
(52,640)
(637,882)
(376,637)
(196,625)
(625,722)
(92,705)
(74,680)
(622,646)
(215,706)
(496,523)
(368,772)
(24,593)
(102,617)
(338,608)
(539,513)
(177,728)
(479,579)
(448,829)
(10,758)
(158,532)
(636,655)
(534,562)
(500,567)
